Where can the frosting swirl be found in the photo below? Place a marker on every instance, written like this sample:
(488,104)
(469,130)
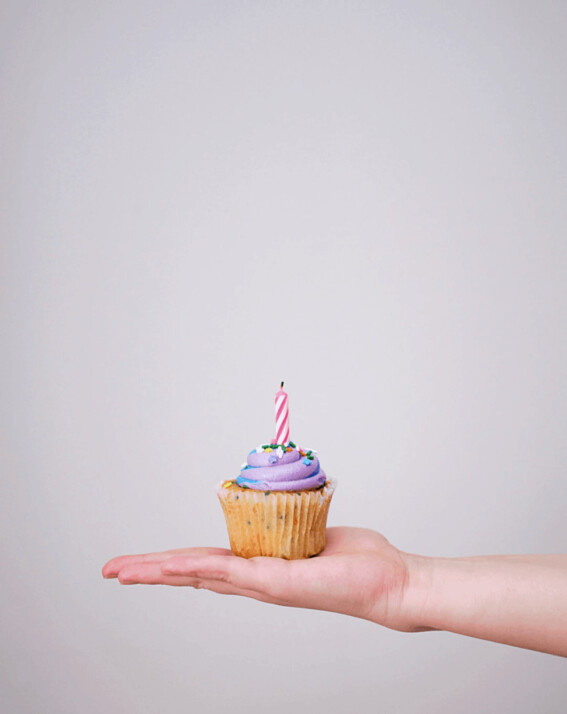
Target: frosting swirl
(281,467)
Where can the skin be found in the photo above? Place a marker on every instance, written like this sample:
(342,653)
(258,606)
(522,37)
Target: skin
(517,600)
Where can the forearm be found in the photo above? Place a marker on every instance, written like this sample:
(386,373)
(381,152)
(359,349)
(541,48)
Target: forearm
(516,600)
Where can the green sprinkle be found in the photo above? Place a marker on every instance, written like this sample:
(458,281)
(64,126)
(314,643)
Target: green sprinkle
(292,444)
(267,493)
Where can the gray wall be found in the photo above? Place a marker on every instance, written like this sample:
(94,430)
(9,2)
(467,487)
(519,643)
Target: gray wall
(199,199)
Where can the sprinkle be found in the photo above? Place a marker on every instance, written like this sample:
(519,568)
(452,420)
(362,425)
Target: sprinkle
(268,449)
(307,462)
(244,466)
(244,486)
(289,449)
(291,444)
(302,452)
(272,458)
(267,493)
(227,484)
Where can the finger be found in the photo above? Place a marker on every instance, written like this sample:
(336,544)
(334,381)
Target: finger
(213,567)
(149,574)
(223,588)
(113,567)
(271,577)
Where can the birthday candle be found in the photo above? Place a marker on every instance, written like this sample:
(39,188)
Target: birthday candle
(282,416)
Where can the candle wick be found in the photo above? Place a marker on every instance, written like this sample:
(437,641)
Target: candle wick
(281,386)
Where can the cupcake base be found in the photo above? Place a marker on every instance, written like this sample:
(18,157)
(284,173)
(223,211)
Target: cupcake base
(280,524)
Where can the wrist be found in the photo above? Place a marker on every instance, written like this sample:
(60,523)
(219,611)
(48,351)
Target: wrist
(404,602)
(417,603)
(516,600)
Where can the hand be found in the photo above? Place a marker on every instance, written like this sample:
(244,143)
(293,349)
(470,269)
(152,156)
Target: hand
(359,573)
(519,600)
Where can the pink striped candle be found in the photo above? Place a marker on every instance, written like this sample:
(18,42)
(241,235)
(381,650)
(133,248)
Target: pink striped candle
(282,417)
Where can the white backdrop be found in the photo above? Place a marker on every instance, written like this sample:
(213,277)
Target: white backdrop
(200,199)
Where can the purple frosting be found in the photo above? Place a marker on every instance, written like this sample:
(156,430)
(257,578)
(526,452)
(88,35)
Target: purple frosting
(288,471)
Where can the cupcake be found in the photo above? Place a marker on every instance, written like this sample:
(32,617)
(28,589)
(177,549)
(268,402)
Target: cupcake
(278,504)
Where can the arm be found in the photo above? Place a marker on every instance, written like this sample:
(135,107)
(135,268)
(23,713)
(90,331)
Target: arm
(517,600)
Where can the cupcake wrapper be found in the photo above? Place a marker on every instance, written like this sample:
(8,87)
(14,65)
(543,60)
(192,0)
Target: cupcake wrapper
(280,524)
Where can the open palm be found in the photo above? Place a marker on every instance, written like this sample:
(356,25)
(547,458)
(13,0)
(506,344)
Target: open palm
(359,573)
